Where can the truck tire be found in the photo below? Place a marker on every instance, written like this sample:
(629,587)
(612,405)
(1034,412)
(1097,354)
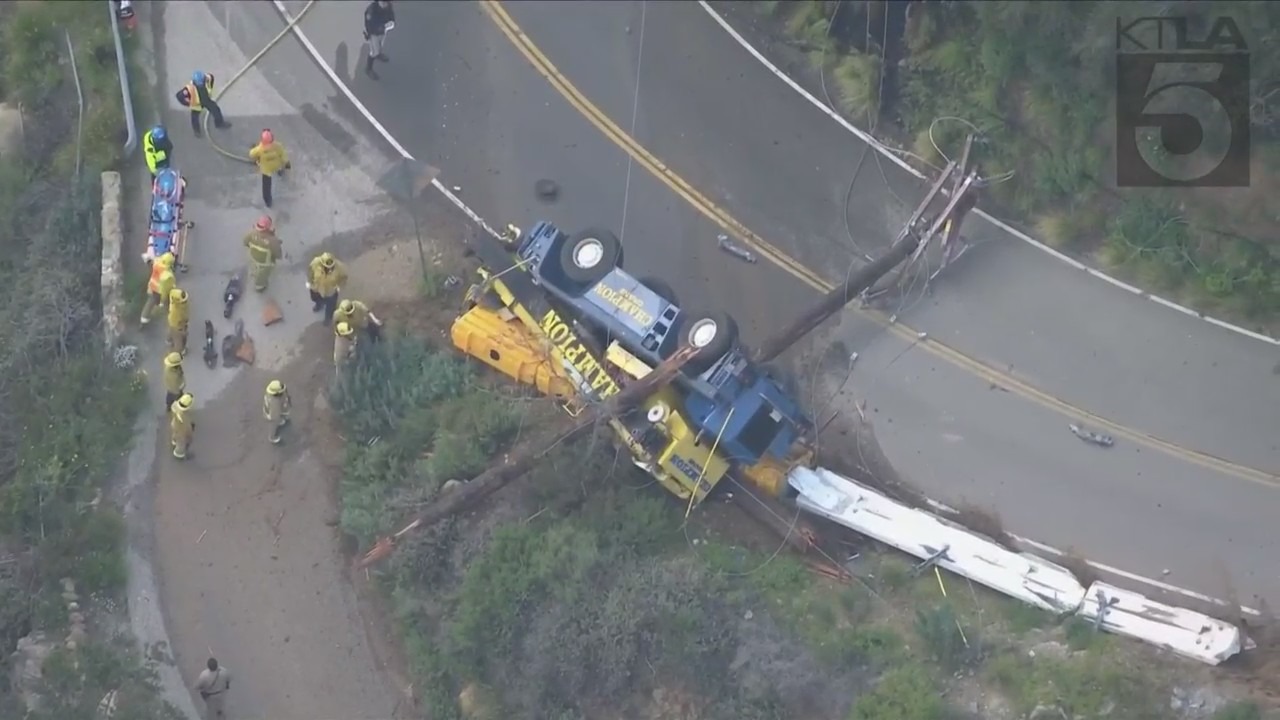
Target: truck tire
(586,257)
(713,333)
(661,289)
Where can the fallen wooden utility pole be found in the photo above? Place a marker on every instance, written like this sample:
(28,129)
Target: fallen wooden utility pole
(523,456)
(904,246)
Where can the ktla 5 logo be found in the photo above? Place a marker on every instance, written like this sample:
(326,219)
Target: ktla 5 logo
(1182,103)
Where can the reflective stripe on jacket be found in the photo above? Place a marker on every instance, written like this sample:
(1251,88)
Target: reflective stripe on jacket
(161,281)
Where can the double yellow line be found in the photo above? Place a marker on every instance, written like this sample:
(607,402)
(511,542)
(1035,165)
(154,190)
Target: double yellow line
(730,225)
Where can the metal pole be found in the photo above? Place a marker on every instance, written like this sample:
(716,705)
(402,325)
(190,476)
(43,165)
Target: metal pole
(126,96)
(422,254)
(75,73)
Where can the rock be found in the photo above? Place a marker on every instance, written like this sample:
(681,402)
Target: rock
(1049,648)
(1047,712)
(107,705)
(76,618)
(68,585)
(450,485)
(11,129)
(28,667)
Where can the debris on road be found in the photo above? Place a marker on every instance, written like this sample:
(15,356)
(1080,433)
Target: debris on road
(271,313)
(1091,437)
(546,189)
(734,249)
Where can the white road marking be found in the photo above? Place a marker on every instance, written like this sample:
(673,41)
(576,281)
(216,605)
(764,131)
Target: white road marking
(457,202)
(893,155)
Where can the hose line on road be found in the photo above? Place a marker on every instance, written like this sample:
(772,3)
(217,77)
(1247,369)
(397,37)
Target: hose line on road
(249,65)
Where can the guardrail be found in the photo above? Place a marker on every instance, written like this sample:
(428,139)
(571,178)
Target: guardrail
(126,96)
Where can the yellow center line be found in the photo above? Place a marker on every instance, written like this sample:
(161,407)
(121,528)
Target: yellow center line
(793,267)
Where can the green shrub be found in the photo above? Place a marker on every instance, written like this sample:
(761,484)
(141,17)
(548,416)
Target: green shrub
(904,693)
(77,422)
(1246,710)
(940,631)
(73,685)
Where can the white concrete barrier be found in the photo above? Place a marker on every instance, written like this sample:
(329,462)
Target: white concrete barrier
(113,297)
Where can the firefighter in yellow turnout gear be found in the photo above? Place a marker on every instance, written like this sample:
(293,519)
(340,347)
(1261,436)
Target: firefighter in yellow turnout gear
(325,277)
(175,379)
(360,317)
(264,251)
(159,285)
(276,405)
(179,320)
(182,426)
(344,344)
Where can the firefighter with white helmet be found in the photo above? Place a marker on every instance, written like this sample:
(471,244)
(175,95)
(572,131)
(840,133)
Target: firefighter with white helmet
(276,405)
(182,426)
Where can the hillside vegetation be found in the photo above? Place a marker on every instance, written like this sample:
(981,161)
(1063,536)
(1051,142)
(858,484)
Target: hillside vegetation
(1038,80)
(65,409)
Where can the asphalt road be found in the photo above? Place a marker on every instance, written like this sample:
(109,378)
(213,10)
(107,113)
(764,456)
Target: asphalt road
(459,95)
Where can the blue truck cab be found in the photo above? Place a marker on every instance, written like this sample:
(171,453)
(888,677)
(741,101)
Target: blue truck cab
(732,402)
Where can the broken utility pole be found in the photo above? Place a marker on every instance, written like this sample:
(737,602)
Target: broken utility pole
(909,243)
(522,457)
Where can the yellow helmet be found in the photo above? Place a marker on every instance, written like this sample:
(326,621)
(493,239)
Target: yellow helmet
(343,329)
(346,307)
(178,295)
(186,401)
(275,387)
(173,359)
(165,261)
(327,260)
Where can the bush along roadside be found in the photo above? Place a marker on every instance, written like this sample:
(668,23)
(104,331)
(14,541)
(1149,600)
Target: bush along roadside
(66,412)
(1037,80)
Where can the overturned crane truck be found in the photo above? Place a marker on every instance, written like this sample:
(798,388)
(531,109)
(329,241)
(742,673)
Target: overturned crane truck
(557,311)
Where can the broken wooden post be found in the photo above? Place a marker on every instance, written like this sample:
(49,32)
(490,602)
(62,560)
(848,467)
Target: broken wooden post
(522,457)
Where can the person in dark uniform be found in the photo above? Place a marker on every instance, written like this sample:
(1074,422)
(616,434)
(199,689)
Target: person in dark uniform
(376,18)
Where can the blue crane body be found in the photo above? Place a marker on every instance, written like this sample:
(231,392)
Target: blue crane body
(744,409)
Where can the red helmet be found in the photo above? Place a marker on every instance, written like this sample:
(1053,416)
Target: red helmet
(267,137)
(264,223)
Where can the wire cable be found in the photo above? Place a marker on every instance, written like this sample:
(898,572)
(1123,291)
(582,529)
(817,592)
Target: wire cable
(631,132)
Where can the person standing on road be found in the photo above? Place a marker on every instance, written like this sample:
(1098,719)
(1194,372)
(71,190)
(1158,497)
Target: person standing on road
(264,251)
(157,148)
(212,684)
(182,425)
(325,277)
(271,159)
(276,405)
(378,18)
(159,285)
(197,96)
(359,316)
(175,380)
(179,320)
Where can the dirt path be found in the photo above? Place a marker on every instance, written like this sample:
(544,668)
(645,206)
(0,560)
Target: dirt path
(254,569)
(249,560)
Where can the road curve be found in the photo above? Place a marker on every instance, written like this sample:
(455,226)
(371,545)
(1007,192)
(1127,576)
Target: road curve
(459,95)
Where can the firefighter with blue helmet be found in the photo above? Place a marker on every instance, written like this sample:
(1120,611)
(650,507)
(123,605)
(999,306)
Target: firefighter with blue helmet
(197,96)
(157,148)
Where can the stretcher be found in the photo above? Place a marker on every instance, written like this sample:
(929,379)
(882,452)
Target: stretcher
(168,229)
